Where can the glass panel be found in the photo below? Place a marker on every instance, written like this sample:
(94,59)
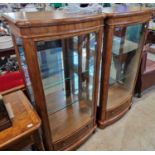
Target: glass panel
(19,44)
(124,63)
(67,71)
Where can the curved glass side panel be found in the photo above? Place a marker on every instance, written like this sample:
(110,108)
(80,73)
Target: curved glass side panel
(124,63)
(24,66)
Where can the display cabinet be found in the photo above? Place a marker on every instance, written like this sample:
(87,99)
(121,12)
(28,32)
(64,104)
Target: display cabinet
(59,55)
(125,30)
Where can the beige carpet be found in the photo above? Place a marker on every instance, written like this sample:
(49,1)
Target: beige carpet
(135,131)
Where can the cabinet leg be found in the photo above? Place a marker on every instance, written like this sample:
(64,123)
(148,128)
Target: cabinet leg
(37,142)
(33,147)
(94,131)
(139,95)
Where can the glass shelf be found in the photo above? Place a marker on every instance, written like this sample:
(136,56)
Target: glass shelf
(48,68)
(49,72)
(128,46)
(121,80)
(55,81)
(59,98)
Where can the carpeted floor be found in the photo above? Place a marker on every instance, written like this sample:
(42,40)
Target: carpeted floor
(135,131)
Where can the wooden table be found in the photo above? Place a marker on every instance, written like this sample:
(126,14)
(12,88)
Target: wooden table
(25,124)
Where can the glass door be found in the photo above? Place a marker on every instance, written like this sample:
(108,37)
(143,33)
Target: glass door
(124,63)
(67,72)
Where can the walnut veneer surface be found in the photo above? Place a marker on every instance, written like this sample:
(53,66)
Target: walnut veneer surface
(117,95)
(25,119)
(24,19)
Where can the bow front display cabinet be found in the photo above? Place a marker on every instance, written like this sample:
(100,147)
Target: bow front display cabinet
(59,55)
(124,35)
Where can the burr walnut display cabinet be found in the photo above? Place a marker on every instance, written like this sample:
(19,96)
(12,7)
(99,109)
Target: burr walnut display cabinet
(125,30)
(59,55)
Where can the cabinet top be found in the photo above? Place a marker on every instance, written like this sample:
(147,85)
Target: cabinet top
(123,10)
(55,17)
(28,19)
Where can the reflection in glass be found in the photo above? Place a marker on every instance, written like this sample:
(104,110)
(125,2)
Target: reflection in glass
(67,71)
(24,66)
(124,63)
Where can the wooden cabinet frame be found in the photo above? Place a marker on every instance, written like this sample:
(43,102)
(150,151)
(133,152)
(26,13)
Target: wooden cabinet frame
(33,30)
(108,116)
(47,26)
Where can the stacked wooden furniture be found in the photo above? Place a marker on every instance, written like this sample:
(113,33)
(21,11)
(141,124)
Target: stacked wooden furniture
(125,30)
(59,54)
